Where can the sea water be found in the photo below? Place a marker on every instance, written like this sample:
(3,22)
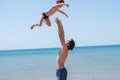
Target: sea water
(83,63)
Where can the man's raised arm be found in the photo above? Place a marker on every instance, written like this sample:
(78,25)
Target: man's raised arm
(60,32)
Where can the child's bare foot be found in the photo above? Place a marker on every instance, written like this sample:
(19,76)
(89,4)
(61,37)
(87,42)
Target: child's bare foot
(32,26)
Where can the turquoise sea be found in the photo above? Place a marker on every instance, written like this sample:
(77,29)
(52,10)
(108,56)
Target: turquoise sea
(83,63)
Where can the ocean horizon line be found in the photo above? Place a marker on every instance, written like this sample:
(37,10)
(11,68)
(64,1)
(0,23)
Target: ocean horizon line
(48,48)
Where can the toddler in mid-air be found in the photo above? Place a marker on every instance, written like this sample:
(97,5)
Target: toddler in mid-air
(53,9)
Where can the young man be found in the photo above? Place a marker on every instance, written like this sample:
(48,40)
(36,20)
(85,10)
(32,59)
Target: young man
(61,72)
(53,9)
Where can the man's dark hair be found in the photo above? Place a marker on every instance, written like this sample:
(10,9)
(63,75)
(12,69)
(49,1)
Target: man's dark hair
(71,44)
(60,1)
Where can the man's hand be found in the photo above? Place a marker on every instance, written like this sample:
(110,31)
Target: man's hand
(57,21)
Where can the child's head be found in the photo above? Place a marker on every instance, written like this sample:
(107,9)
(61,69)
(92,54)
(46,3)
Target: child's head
(59,1)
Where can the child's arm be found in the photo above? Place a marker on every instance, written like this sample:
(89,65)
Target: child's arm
(61,4)
(64,4)
(63,12)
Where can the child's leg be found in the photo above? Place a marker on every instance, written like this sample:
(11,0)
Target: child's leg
(41,20)
(38,24)
(47,21)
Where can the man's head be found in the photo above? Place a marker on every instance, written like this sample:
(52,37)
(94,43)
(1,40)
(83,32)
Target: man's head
(70,44)
(59,1)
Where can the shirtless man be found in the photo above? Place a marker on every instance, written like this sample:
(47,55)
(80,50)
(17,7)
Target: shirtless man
(61,72)
(52,10)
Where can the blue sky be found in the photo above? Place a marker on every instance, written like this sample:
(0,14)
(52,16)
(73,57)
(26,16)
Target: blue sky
(90,23)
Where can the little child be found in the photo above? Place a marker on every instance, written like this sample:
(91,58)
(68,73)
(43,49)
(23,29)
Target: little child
(53,9)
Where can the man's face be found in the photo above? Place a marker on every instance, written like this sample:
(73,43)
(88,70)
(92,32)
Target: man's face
(67,42)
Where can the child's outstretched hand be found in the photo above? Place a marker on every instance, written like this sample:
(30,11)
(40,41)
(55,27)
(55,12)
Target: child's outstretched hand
(67,5)
(66,15)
